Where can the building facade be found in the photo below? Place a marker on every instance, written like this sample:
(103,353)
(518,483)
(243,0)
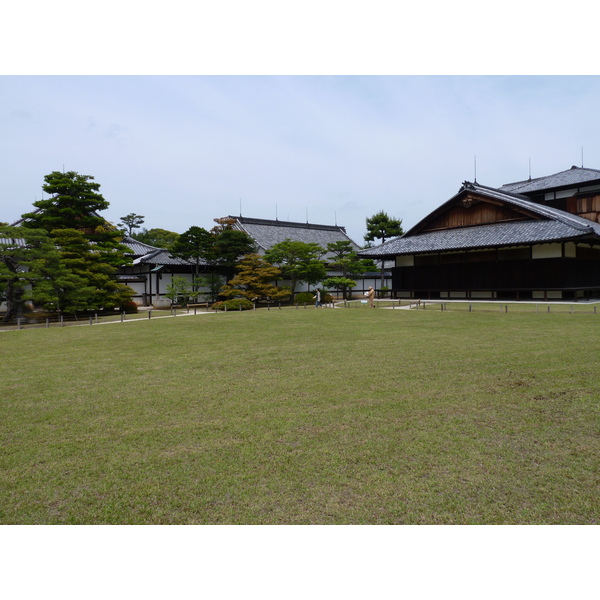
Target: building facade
(533,239)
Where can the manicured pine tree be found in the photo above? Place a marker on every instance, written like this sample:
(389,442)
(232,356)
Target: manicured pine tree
(381,227)
(132,221)
(90,246)
(254,280)
(31,268)
(298,261)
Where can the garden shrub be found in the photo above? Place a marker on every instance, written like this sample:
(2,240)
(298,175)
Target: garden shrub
(234,304)
(304,298)
(129,307)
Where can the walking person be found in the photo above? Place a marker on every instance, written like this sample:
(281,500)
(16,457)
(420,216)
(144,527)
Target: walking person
(371,296)
(317,298)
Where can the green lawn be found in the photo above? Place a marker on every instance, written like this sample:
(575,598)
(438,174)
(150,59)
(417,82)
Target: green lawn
(304,416)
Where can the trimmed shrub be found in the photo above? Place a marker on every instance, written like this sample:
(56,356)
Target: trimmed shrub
(129,307)
(234,304)
(304,298)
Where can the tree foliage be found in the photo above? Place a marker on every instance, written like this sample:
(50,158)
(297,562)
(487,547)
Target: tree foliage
(194,245)
(74,203)
(95,266)
(90,248)
(132,221)
(346,261)
(178,291)
(298,261)
(342,284)
(31,269)
(159,238)
(381,227)
(229,245)
(254,280)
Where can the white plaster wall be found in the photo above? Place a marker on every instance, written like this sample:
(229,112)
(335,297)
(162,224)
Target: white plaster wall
(405,261)
(546,251)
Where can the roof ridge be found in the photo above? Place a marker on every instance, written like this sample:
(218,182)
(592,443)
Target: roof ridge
(278,223)
(541,209)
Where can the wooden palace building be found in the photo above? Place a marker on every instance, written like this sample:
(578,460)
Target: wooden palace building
(533,239)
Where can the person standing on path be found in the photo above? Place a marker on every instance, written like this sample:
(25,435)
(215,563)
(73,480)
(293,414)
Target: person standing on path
(317,298)
(371,296)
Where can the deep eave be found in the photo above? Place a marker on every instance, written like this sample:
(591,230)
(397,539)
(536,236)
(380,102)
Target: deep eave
(266,232)
(544,225)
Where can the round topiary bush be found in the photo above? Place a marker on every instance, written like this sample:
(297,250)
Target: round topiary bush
(234,304)
(129,307)
(304,298)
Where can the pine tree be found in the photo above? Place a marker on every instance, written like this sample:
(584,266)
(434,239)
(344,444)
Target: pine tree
(31,269)
(254,280)
(90,247)
(298,261)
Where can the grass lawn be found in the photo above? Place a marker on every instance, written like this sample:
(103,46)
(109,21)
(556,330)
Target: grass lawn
(304,416)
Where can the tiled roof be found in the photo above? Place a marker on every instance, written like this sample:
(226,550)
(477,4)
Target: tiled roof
(483,236)
(574,176)
(144,253)
(138,248)
(266,233)
(162,257)
(12,242)
(553,225)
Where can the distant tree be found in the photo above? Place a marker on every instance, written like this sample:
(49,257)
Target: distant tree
(228,246)
(132,221)
(96,266)
(74,204)
(90,248)
(222,224)
(347,261)
(31,270)
(381,227)
(298,261)
(178,291)
(342,284)
(212,281)
(194,245)
(159,238)
(254,280)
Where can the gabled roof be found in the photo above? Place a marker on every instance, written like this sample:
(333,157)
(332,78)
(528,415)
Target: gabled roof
(139,248)
(575,176)
(145,253)
(266,233)
(543,225)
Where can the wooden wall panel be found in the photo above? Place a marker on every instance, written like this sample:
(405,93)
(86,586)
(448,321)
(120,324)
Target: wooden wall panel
(480,213)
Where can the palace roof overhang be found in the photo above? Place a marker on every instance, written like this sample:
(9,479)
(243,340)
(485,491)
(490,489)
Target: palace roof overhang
(573,177)
(543,224)
(266,232)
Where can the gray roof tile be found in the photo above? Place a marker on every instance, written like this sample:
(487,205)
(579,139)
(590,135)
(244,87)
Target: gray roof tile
(266,233)
(553,225)
(571,177)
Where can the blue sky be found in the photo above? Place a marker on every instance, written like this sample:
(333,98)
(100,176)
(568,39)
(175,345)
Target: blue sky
(183,150)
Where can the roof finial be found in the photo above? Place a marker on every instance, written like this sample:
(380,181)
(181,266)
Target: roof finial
(529,169)
(582,157)
(475,167)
